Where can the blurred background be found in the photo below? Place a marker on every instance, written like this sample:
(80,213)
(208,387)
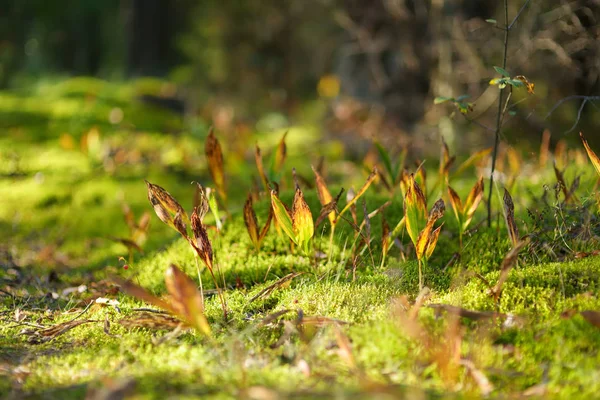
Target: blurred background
(354,69)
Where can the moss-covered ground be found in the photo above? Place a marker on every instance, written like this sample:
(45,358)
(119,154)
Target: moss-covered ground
(73,153)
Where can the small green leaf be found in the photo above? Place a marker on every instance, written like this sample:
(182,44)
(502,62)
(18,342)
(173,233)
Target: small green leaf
(512,113)
(491,21)
(515,83)
(441,99)
(502,71)
(283,217)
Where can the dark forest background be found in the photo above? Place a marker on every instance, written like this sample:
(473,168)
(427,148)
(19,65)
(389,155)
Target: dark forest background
(375,66)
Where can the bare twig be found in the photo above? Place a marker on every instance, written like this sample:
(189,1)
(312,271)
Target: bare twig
(498,118)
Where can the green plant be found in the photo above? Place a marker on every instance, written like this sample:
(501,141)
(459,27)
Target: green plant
(419,225)
(464,211)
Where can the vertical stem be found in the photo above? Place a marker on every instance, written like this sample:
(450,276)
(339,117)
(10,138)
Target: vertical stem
(498,117)
(199,279)
(420,276)
(460,240)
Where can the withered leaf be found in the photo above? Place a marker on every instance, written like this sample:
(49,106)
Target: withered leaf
(464,313)
(251,221)
(591,154)
(138,292)
(165,206)
(186,299)
(509,215)
(329,209)
(151,320)
(280,154)
(507,264)
(593,317)
(214,156)
(130,244)
(47,334)
(201,241)
(485,386)
(261,168)
(276,285)
(325,197)
(345,347)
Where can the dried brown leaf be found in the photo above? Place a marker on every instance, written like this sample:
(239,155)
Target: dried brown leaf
(251,222)
(261,168)
(47,334)
(507,264)
(593,317)
(186,299)
(469,314)
(282,282)
(151,320)
(214,157)
(165,205)
(509,215)
(201,241)
(591,154)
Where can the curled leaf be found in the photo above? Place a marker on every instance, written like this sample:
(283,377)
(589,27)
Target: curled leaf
(165,206)
(593,157)
(507,264)
(302,222)
(186,299)
(214,156)
(472,202)
(456,204)
(201,242)
(325,197)
(251,221)
(415,209)
(261,168)
(427,238)
(282,216)
(280,155)
(509,215)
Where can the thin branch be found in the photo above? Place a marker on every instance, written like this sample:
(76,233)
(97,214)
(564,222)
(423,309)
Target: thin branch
(578,115)
(498,119)
(514,21)
(561,101)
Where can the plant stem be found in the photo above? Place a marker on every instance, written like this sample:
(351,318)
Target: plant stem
(498,116)
(420,276)
(199,279)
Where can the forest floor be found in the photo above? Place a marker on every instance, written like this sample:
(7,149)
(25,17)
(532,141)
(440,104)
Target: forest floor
(335,321)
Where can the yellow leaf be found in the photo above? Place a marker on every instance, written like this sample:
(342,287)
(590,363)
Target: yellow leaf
(282,216)
(424,239)
(415,209)
(323,193)
(251,221)
(593,157)
(302,221)
(472,202)
(433,238)
(456,204)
